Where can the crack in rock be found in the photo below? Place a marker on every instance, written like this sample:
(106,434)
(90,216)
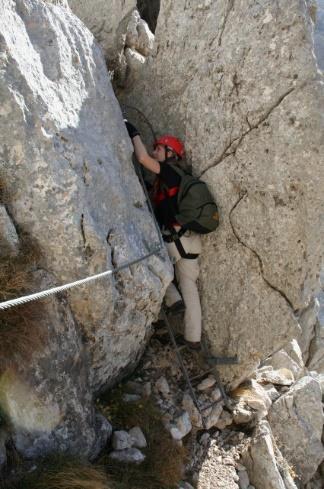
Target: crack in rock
(225,154)
(273,287)
(230,7)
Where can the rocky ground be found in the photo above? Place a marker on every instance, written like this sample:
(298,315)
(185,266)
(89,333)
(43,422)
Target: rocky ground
(229,442)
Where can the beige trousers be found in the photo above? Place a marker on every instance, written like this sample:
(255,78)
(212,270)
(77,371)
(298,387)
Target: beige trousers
(187,272)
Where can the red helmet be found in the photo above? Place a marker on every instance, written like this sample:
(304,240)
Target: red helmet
(172,142)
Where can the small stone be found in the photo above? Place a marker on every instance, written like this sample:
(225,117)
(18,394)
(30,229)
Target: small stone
(216,394)
(176,433)
(121,440)
(244,481)
(224,420)
(138,437)
(182,426)
(163,386)
(206,384)
(282,376)
(189,406)
(214,416)
(228,461)
(147,389)
(241,415)
(271,391)
(130,455)
(131,397)
(205,439)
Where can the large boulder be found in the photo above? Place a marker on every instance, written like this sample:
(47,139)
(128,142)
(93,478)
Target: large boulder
(296,420)
(124,36)
(248,100)
(264,462)
(103,19)
(73,198)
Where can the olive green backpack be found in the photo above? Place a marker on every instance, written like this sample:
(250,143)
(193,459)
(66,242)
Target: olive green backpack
(197,210)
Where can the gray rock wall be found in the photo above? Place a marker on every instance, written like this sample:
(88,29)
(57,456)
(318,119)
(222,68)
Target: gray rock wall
(239,82)
(71,191)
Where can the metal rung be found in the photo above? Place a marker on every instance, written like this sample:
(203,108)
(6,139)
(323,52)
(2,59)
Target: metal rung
(222,360)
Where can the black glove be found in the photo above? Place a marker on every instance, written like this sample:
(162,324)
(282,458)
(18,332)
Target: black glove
(132,131)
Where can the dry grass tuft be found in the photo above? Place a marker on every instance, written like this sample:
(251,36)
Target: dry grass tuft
(59,473)
(76,476)
(20,327)
(21,333)
(163,467)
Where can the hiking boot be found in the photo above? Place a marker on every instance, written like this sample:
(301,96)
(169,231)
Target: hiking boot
(176,308)
(192,345)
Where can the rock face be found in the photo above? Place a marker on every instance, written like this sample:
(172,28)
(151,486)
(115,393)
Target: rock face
(319,33)
(264,462)
(296,420)
(124,36)
(72,193)
(248,100)
(103,19)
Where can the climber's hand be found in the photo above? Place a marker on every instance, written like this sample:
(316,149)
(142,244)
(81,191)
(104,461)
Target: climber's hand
(132,131)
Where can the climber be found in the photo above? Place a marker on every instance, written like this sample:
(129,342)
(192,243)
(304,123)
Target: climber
(168,149)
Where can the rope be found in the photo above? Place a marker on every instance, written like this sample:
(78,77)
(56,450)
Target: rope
(61,288)
(144,117)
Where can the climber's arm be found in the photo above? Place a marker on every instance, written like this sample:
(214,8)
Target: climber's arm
(143,157)
(140,150)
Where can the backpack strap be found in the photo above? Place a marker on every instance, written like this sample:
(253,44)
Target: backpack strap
(175,238)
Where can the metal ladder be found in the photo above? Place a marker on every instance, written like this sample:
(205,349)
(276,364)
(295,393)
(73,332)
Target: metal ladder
(212,361)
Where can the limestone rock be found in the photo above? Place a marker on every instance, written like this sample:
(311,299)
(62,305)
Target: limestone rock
(189,406)
(138,437)
(104,19)
(65,158)
(248,101)
(206,384)
(9,241)
(182,426)
(241,415)
(308,321)
(315,358)
(296,420)
(244,481)
(282,376)
(122,440)
(319,33)
(224,420)
(271,391)
(282,361)
(129,455)
(254,396)
(162,386)
(215,417)
(261,462)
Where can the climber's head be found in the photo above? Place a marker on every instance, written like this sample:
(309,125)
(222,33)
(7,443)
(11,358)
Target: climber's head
(167,147)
